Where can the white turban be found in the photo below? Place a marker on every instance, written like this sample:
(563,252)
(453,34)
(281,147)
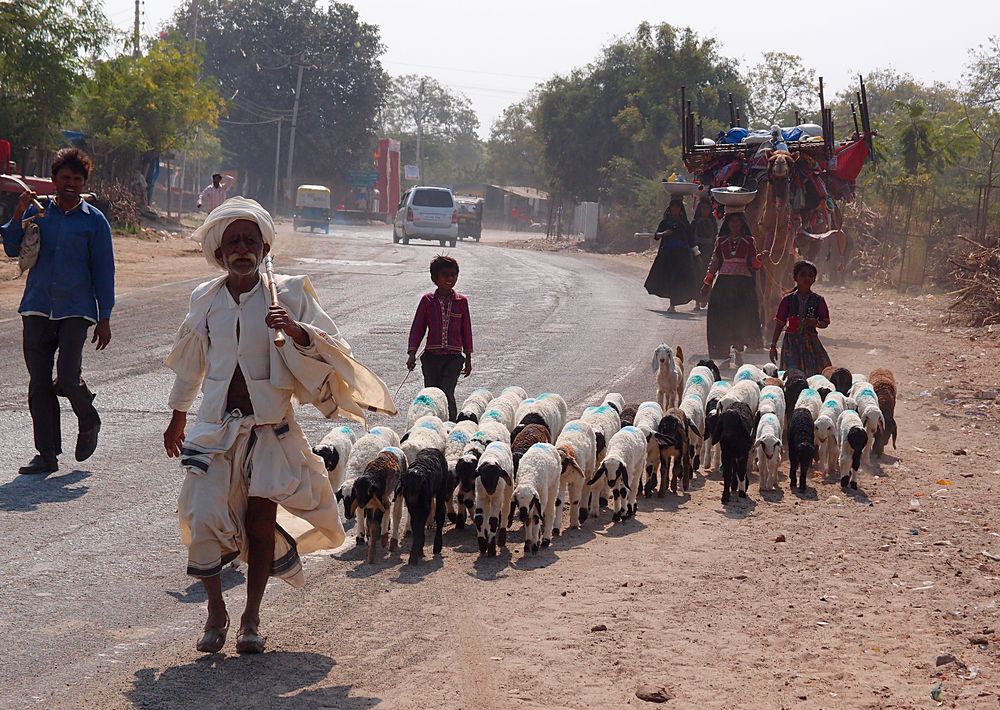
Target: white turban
(209,235)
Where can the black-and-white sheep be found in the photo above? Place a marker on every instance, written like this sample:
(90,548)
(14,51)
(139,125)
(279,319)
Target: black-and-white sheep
(364,450)
(494,492)
(373,492)
(335,450)
(426,484)
(621,471)
(474,405)
(853,440)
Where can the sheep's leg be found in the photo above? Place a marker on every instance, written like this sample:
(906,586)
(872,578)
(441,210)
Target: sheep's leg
(479,518)
(373,521)
(508,494)
(418,517)
(439,518)
(845,465)
(574,492)
(558,511)
(397,518)
(493,522)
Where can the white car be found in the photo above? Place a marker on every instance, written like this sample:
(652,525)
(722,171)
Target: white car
(426,213)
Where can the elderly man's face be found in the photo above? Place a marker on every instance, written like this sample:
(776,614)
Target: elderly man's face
(242,248)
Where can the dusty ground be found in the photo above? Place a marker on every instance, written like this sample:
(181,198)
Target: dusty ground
(865,603)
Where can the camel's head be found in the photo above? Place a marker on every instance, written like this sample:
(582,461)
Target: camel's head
(780,165)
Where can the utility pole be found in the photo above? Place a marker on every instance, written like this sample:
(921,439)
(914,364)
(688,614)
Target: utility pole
(277,160)
(291,138)
(135,31)
(420,131)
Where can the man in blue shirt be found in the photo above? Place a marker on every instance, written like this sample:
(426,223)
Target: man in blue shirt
(70,288)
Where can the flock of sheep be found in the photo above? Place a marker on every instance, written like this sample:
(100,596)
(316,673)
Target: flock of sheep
(512,456)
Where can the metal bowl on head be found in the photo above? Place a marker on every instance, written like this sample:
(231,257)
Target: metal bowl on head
(733,196)
(681,189)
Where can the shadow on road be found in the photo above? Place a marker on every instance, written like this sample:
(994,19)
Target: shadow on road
(268,681)
(25,493)
(195,593)
(678,315)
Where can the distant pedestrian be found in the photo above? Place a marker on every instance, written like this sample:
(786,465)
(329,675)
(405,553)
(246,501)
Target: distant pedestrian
(215,194)
(70,288)
(799,314)
(443,315)
(672,274)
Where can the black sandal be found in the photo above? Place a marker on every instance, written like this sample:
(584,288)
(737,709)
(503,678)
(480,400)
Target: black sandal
(214,638)
(250,642)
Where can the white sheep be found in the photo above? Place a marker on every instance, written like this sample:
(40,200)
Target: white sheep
(616,401)
(826,430)
(458,438)
(647,419)
(767,450)
(772,399)
(700,379)
(770,369)
(873,421)
(503,408)
(335,450)
(750,372)
(606,423)
(746,391)
(494,490)
(821,384)
(621,470)
(858,377)
(466,466)
(514,391)
(535,495)
(577,447)
(547,409)
(853,439)
(693,407)
(429,401)
(810,399)
(669,369)
(362,452)
(474,405)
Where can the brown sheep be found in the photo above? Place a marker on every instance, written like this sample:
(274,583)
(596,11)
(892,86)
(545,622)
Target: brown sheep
(373,492)
(526,438)
(884,383)
(628,414)
(840,377)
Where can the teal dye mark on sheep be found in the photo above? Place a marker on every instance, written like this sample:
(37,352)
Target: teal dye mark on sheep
(542,447)
(344,430)
(745,375)
(631,429)
(697,380)
(494,415)
(378,431)
(573,426)
(428,425)
(459,436)
(424,400)
(395,450)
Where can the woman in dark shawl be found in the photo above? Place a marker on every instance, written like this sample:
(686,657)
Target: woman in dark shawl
(672,273)
(733,318)
(706,228)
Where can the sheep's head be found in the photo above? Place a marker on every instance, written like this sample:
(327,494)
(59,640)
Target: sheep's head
(824,428)
(329,454)
(770,446)
(491,474)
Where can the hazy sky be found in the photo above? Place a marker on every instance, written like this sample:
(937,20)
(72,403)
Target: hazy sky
(495,52)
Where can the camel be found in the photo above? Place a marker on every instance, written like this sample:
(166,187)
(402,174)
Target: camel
(769,217)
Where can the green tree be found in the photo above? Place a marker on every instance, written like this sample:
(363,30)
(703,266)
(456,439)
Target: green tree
(153,102)
(514,150)
(779,86)
(47,45)
(626,104)
(254,49)
(437,128)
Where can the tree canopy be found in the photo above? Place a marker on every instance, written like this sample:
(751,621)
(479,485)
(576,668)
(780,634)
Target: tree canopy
(779,86)
(47,45)
(255,48)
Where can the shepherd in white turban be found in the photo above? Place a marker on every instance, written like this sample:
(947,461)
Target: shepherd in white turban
(246,422)
(209,235)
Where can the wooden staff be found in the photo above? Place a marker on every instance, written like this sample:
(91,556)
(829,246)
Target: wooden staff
(279,337)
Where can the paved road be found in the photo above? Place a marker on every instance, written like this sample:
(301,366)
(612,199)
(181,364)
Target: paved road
(91,575)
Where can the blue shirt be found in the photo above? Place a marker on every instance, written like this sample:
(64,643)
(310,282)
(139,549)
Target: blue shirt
(75,273)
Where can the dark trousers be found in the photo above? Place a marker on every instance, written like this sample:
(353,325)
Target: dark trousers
(442,371)
(43,338)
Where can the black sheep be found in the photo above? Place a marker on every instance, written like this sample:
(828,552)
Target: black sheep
(672,437)
(736,440)
(841,379)
(426,483)
(795,382)
(628,414)
(801,446)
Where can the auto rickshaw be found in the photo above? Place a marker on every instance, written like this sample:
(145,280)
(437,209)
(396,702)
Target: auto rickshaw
(312,208)
(470,216)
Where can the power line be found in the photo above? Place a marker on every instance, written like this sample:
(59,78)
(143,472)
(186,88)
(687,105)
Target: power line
(470,71)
